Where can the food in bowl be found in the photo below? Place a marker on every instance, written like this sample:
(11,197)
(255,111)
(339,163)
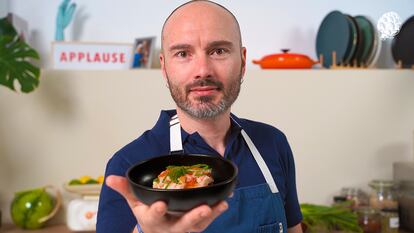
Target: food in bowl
(184,177)
(141,176)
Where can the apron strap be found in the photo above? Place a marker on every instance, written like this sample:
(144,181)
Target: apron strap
(260,161)
(176,146)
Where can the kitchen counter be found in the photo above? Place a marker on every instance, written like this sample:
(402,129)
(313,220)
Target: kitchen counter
(47,229)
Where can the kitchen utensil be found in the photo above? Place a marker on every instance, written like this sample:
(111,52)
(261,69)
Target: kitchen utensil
(367,39)
(334,34)
(84,189)
(376,51)
(81,214)
(403,171)
(406,204)
(141,176)
(403,44)
(285,60)
(350,56)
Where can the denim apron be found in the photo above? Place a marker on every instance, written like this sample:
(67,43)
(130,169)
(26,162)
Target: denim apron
(252,209)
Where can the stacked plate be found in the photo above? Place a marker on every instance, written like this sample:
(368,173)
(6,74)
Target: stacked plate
(354,41)
(403,45)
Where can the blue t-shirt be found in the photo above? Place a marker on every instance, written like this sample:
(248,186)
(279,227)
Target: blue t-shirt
(114,214)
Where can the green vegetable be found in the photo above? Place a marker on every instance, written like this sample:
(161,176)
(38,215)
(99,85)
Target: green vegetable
(320,218)
(92,181)
(177,172)
(30,206)
(74,182)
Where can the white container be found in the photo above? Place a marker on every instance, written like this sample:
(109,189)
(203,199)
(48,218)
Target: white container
(81,214)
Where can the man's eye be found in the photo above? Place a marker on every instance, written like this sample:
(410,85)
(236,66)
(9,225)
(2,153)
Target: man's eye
(219,51)
(181,54)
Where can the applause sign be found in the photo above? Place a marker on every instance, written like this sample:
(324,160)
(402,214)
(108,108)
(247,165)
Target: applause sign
(91,56)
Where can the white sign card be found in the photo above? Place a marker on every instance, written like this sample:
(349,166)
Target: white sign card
(91,56)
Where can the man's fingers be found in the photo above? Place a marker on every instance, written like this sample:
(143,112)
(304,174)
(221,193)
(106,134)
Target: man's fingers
(192,218)
(155,212)
(120,184)
(196,220)
(216,211)
(150,215)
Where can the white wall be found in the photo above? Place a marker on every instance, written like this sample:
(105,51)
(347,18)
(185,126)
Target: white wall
(4,8)
(267,25)
(345,127)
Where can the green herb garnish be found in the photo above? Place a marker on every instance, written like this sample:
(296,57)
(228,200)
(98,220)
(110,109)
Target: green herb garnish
(175,172)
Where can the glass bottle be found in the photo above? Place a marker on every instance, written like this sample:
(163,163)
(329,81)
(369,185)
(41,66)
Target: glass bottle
(390,221)
(383,194)
(355,195)
(369,219)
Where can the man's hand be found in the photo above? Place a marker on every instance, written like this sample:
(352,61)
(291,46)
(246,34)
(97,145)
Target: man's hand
(154,218)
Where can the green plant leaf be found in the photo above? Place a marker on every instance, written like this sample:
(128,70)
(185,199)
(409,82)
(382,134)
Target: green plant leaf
(15,64)
(6,28)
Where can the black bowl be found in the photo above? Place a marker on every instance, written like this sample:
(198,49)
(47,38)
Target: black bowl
(141,175)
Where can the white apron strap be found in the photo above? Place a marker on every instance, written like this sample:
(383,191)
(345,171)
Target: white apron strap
(176,146)
(259,160)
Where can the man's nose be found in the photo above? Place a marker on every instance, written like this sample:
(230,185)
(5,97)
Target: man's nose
(203,67)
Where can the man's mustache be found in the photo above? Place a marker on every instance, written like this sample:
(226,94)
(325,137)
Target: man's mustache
(203,83)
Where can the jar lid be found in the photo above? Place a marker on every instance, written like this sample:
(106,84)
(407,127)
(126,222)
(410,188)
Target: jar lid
(382,184)
(366,210)
(350,190)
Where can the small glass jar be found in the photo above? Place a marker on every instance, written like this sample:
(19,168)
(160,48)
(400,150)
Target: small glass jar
(356,195)
(383,195)
(369,219)
(390,221)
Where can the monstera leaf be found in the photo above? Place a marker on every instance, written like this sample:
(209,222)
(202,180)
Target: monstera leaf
(15,57)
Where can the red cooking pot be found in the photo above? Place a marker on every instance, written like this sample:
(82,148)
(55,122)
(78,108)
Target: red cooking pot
(285,60)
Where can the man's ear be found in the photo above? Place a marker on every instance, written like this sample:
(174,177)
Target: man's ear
(243,60)
(162,62)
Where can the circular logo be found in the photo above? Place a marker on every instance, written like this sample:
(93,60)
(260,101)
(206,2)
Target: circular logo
(389,25)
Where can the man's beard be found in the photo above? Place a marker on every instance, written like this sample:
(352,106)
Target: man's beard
(204,108)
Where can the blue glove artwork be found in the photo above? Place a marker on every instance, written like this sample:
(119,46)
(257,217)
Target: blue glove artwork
(64,16)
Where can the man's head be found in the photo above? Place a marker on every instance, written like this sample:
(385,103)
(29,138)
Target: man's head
(236,23)
(202,58)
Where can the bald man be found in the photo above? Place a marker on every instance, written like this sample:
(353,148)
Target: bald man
(203,63)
